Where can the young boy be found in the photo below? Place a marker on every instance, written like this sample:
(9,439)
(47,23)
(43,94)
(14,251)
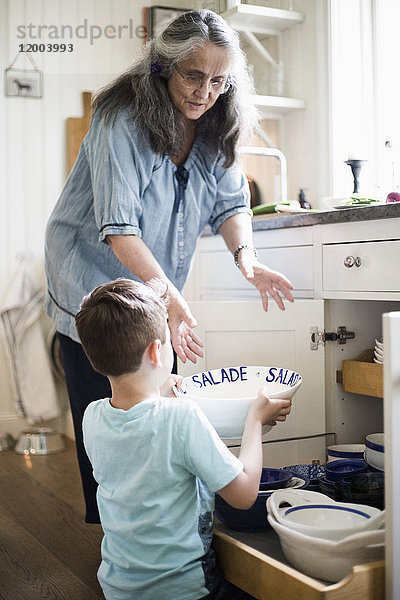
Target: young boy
(158,460)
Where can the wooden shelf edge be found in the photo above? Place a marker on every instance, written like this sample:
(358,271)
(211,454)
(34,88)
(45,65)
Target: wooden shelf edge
(273,579)
(363,376)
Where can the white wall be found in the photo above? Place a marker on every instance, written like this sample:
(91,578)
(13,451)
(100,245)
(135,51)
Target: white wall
(33,165)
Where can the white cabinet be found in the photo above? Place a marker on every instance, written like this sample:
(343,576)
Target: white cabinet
(249,19)
(241,333)
(362,267)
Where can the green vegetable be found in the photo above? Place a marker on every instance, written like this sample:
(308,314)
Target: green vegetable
(264,209)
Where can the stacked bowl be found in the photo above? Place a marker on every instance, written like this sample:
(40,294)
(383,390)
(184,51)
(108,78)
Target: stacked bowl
(323,538)
(375,451)
(255,518)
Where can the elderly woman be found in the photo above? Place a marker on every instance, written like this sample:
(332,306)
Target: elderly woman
(158,163)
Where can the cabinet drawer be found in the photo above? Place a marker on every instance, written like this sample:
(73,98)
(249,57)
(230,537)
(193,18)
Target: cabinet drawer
(377,268)
(216,270)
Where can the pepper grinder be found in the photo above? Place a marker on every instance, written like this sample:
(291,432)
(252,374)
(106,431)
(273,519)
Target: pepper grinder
(355,166)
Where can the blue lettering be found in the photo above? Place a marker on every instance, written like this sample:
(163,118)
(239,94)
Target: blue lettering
(224,375)
(284,379)
(271,375)
(278,379)
(232,372)
(194,378)
(243,373)
(205,379)
(212,379)
(291,378)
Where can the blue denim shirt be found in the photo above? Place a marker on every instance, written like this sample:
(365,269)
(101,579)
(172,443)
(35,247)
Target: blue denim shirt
(118,185)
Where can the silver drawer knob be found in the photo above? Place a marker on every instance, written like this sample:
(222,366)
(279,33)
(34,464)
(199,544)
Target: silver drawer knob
(350,261)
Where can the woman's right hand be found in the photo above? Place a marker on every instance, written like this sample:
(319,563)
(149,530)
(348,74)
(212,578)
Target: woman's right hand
(181,324)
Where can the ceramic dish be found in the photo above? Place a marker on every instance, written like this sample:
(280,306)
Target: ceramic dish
(327,559)
(339,468)
(366,488)
(317,515)
(274,479)
(225,394)
(375,451)
(312,472)
(344,451)
(254,518)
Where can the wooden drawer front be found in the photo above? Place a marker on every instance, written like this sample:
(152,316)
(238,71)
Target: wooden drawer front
(218,272)
(379,269)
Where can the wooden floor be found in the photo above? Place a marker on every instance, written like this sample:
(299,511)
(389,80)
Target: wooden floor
(47,551)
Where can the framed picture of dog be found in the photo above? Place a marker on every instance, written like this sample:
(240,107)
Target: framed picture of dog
(25,83)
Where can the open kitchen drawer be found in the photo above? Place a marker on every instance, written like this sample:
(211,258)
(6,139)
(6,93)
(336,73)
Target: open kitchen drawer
(267,578)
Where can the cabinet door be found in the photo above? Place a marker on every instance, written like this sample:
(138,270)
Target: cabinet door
(241,333)
(391,370)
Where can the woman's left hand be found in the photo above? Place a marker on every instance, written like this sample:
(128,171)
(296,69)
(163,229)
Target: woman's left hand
(265,280)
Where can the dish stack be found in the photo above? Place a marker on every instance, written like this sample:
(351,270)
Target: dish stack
(375,451)
(323,538)
(255,518)
(378,352)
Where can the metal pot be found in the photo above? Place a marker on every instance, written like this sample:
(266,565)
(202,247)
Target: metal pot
(42,440)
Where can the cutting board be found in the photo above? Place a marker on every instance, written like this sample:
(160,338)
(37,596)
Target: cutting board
(77,128)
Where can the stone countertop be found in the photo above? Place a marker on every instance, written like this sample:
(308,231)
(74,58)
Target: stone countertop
(346,215)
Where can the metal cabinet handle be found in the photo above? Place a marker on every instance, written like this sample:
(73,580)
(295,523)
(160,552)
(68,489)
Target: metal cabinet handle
(351,261)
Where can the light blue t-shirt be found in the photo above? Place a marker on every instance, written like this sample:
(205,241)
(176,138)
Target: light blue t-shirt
(118,185)
(158,466)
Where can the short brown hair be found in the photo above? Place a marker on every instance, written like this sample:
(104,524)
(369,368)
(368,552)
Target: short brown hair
(118,320)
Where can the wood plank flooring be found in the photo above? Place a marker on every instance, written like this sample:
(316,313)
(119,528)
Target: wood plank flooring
(47,551)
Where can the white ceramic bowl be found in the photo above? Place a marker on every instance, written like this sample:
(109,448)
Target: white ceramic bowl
(344,451)
(375,451)
(314,515)
(327,559)
(225,394)
(379,345)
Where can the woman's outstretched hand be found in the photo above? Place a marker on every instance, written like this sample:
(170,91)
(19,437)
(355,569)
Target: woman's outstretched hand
(265,280)
(181,324)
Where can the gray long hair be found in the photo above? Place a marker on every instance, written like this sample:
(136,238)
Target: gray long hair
(143,88)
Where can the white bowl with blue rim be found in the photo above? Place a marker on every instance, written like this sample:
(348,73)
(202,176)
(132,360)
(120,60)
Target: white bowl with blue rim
(343,451)
(329,560)
(225,394)
(316,515)
(375,451)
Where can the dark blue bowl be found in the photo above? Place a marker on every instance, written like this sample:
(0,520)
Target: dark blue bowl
(254,518)
(336,469)
(365,488)
(274,479)
(251,519)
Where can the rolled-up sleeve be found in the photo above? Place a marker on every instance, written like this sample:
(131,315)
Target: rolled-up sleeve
(116,173)
(233,196)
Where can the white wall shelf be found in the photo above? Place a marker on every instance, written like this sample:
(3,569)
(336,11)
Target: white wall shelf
(261,19)
(272,107)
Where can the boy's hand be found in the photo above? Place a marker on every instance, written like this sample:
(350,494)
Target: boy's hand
(166,388)
(270,410)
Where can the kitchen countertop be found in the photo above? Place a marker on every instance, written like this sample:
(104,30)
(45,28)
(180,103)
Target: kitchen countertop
(346,215)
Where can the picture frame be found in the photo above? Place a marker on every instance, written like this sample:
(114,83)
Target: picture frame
(159,16)
(24,83)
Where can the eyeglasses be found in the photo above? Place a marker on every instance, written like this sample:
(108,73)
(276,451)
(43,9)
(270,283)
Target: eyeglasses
(196,82)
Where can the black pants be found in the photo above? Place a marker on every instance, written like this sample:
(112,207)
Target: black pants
(84,385)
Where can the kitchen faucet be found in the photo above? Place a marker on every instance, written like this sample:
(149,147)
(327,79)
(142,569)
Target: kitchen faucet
(261,151)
